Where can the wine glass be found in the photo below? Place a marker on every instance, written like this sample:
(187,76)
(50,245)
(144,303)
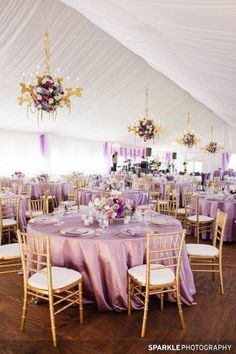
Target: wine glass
(103,222)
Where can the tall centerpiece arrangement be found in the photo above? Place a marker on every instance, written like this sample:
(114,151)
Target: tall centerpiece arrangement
(45,94)
(212,147)
(113,207)
(146,127)
(188,138)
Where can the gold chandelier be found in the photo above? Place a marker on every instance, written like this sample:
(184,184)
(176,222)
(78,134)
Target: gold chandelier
(146,128)
(47,93)
(213,147)
(188,138)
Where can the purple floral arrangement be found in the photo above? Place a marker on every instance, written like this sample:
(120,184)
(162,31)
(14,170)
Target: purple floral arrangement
(48,94)
(43,177)
(113,206)
(190,139)
(213,147)
(146,129)
(18,174)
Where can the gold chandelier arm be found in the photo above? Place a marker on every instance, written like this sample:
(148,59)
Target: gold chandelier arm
(47,57)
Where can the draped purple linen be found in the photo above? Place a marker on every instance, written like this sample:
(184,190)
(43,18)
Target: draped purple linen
(225,161)
(42,141)
(123,151)
(104,260)
(209,208)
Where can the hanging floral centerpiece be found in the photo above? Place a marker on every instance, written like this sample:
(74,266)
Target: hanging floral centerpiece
(212,147)
(146,128)
(189,138)
(47,94)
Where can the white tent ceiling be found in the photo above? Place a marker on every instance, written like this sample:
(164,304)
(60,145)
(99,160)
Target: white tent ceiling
(114,78)
(190,41)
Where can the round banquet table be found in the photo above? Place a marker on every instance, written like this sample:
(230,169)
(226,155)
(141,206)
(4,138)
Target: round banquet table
(104,260)
(138,197)
(209,207)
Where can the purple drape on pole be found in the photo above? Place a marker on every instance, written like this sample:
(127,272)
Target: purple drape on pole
(42,141)
(225,161)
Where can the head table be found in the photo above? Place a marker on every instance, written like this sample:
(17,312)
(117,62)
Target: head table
(105,258)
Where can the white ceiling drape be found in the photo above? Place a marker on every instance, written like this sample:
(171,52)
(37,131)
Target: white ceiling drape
(114,78)
(192,42)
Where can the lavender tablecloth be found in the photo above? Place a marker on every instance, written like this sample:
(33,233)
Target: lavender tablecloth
(209,208)
(104,260)
(138,197)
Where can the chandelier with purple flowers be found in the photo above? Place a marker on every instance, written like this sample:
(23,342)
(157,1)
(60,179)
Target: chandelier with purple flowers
(146,128)
(212,147)
(47,94)
(189,138)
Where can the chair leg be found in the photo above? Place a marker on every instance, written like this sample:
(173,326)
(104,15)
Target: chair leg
(129,295)
(52,318)
(221,276)
(180,308)
(24,312)
(197,233)
(81,303)
(145,314)
(213,268)
(162,301)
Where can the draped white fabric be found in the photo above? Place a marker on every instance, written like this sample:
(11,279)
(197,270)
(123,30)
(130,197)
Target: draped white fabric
(67,155)
(20,152)
(114,78)
(190,41)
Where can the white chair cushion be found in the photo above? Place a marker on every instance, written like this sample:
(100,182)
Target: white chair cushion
(181,211)
(202,218)
(34,213)
(157,276)
(10,251)
(61,277)
(8,222)
(195,249)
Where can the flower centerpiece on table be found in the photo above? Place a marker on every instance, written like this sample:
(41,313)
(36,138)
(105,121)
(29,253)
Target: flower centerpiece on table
(18,174)
(113,207)
(43,177)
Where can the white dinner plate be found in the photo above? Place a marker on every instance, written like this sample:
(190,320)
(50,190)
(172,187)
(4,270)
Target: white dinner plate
(77,231)
(45,221)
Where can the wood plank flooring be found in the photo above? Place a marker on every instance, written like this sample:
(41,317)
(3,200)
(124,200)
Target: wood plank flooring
(212,320)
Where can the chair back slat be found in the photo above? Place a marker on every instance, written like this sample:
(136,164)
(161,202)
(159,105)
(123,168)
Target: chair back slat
(165,249)
(35,255)
(221,219)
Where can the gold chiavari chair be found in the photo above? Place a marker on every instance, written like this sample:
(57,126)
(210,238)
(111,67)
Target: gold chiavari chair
(45,281)
(9,216)
(167,191)
(183,213)
(200,223)
(48,191)
(25,189)
(73,196)
(161,273)
(10,258)
(208,258)
(37,207)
